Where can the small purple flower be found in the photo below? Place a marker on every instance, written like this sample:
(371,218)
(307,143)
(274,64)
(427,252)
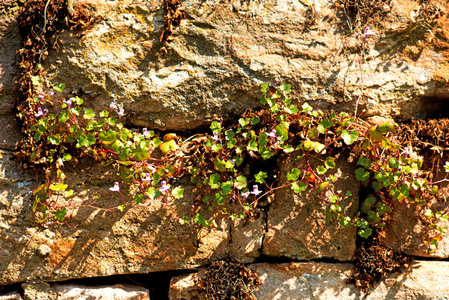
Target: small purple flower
(51,92)
(41,113)
(406,152)
(215,136)
(147,177)
(246,194)
(121,112)
(272,134)
(115,188)
(40,97)
(69,102)
(113,106)
(145,132)
(164,186)
(368,32)
(232,161)
(256,191)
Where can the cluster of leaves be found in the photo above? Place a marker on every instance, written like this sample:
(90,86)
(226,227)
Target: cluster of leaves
(222,165)
(79,131)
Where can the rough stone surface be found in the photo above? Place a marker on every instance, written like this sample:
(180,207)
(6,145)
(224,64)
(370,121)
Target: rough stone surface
(223,51)
(11,296)
(297,222)
(10,40)
(144,238)
(423,280)
(247,238)
(45,291)
(407,224)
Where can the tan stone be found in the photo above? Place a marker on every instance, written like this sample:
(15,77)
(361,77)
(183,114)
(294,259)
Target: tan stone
(222,52)
(407,225)
(45,291)
(297,222)
(144,238)
(423,280)
(11,296)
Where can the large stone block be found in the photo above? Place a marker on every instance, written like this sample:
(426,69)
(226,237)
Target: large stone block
(423,280)
(297,222)
(224,50)
(144,238)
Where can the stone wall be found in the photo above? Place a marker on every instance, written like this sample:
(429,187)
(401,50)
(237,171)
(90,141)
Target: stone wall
(213,67)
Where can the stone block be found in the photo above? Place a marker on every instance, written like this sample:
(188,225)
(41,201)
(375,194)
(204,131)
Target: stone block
(297,222)
(45,291)
(314,280)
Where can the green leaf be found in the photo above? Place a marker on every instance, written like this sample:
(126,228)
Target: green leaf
(282,132)
(375,135)
(138,198)
(60,187)
(255,120)
(66,157)
(330,162)
(312,134)
(35,80)
(264,87)
(78,100)
(200,220)
(361,174)
(285,88)
(215,126)
(59,87)
(367,203)
(240,182)
(86,141)
(244,121)
(321,170)
(69,193)
(54,139)
(226,187)
(349,137)
(365,233)
(60,214)
(88,114)
(306,107)
(324,125)
(293,174)
(260,177)
(63,117)
(364,162)
(213,181)
(168,146)
(107,138)
(177,192)
(153,193)
(298,187)
(322,186)
(386,127)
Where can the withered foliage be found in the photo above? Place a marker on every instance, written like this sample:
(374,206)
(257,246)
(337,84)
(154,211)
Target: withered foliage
(360,11)
(225,280)
(373,261)
(429,138)
(173,17)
